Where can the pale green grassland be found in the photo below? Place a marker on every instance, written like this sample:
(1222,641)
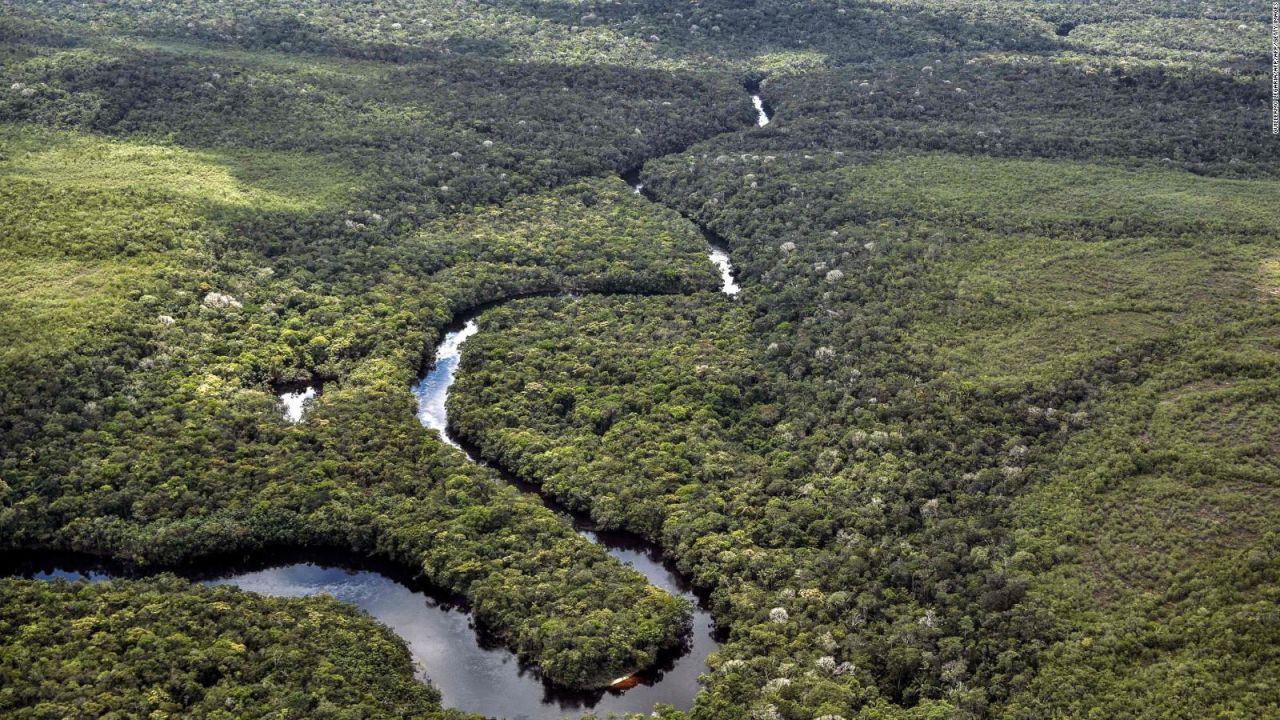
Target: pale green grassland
(88,221)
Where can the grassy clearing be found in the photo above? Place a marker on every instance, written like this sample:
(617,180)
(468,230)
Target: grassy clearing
(1157,528)
(64,161)
(1074,262)
(47,305)
(1062,197)
(1182,39)
(1159,539)
(1036,309)
(87,221)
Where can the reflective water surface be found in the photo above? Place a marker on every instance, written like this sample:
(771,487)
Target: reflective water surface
(432,389)
(762,114)
(471,670)
(720,258)
(716,250)
(675,682)
(293,403)
(294,397)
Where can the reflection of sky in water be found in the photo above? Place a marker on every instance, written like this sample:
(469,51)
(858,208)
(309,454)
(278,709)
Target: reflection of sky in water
(433,389)
(71,575)
(449,654)
(444,645)
(720,259)
(441,641)
(293,403)
(762,117)
(501,690)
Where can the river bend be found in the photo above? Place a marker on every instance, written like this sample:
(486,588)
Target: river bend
(472,672)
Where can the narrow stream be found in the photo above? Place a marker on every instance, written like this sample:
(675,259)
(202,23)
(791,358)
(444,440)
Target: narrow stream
(433,388)
(717,252)
(472,671)
(505,690)
(763,111)
(720,258)
(762,115)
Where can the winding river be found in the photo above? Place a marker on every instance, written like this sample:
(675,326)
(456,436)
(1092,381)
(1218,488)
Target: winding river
(472,672)
(717,251)
(500,692)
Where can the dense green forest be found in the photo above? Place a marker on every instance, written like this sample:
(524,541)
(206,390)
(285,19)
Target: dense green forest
(192,651)
(990,432)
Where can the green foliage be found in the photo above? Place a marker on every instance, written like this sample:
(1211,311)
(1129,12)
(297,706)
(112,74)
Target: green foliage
(1016,105)
(938,327)
(581,394)
(917,360)
(990,431)
(165,648)
(1190,41)
(160,290)
(1169,605)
